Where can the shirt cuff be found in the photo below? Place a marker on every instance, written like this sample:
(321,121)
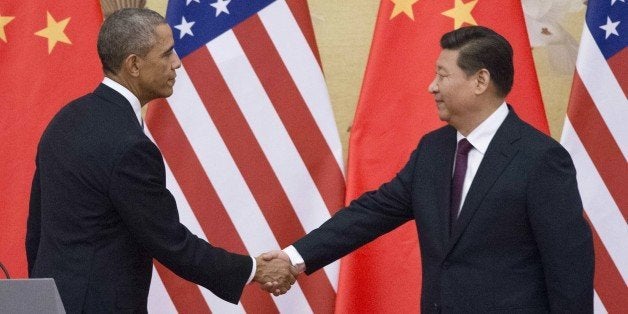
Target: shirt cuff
(252,270)
(295,258)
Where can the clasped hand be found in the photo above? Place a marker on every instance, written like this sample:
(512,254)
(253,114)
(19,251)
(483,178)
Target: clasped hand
(275,273)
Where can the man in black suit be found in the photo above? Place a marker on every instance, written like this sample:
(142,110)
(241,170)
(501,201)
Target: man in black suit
(495,201)
(99,209)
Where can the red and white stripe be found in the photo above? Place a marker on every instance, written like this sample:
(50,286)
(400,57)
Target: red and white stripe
(253,156)
(596,135)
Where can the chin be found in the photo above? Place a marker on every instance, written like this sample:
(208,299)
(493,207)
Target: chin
(167,93)
(443,116)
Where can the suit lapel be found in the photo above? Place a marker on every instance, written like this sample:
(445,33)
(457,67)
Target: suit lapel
(111,96)
(498,155)
(443,168)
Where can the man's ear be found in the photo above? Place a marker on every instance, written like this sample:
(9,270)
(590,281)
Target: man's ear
(483,79)
(132,65)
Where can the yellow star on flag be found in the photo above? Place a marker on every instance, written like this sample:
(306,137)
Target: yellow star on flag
(4,20)
(54,32)
(404,6)
(461,13)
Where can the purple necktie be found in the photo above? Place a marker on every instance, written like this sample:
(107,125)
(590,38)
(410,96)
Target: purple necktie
(458,179)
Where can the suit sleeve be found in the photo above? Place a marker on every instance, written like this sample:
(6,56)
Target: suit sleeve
(562,234)
(139,194)
(366,218)
(33,224)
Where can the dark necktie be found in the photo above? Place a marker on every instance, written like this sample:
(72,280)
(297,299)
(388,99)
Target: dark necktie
(462,153)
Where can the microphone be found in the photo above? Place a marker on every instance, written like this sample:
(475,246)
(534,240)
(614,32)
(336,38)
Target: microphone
(6,272)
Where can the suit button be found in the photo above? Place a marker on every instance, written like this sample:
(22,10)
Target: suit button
(436,307)
(446,265)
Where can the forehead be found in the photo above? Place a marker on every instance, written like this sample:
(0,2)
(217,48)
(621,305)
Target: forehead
(163,35)
(448,59)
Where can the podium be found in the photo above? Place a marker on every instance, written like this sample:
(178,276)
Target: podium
(29,296)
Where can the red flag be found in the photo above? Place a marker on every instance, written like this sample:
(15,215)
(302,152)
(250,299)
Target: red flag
(596,135)
(48,57)
(394,111)
(252,152)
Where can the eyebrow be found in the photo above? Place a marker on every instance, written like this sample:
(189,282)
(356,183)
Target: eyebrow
(169,50)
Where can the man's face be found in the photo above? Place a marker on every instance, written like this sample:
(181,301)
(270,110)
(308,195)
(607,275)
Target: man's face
(452,89)
(157,72)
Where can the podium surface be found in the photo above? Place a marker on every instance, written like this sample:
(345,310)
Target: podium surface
(38,295)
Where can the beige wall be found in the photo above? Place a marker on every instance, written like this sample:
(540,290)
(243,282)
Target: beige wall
(157,5)
(344,30)
(555,87)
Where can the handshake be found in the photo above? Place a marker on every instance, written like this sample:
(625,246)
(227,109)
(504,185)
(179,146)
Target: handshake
(275,272)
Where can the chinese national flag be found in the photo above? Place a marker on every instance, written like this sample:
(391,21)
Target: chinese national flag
(48,57)
(394,111)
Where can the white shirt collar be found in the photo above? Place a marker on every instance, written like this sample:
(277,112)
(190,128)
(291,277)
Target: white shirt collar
(135,103)
(482,135)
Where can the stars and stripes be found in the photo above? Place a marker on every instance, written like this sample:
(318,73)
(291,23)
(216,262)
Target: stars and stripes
(185,28)
(596,135)
(221,6)
(251,148)
(610,28)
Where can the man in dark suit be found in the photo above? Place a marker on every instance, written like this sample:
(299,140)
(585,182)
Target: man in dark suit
(100,211)
(495,201)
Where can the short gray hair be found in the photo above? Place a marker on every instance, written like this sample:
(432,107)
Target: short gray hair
(125,32)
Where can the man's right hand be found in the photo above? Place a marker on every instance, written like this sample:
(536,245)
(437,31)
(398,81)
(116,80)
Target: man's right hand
(274,275)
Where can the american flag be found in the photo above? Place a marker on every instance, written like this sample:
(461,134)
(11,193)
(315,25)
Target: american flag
(251,147)
(596,135)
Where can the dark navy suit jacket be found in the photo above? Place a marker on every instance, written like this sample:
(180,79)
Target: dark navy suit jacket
(520,244)
(100,212)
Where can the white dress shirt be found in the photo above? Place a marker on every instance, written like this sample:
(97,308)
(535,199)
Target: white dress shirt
(137,109)
(479,138)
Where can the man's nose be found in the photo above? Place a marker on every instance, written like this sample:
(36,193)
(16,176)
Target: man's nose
(432,88)
(177,62)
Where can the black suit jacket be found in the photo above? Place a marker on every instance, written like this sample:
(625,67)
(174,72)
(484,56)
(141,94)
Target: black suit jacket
(520,244)
(100,211)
